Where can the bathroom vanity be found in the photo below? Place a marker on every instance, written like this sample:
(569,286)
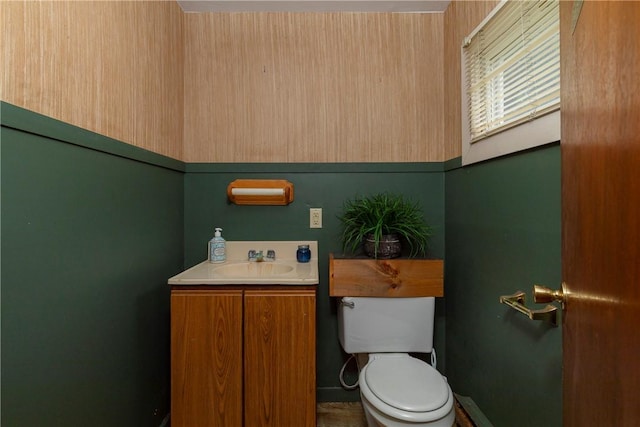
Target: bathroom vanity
(243,340)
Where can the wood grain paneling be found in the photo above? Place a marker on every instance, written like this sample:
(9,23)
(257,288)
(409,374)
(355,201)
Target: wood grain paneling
(313,87)
(206,358)
(280,358)
(114,68)
(460,18)
(258,87)
(366,277)
(600,146)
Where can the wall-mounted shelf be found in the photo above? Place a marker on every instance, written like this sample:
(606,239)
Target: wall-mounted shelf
(396,277)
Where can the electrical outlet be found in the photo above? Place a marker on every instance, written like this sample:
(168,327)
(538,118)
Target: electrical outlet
(315,218)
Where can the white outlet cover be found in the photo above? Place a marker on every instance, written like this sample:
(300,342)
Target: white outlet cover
(315,218)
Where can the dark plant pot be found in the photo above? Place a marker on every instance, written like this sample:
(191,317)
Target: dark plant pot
(388,247)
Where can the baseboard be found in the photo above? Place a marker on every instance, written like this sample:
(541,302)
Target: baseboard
(473,412)
(165,421)
(337,394)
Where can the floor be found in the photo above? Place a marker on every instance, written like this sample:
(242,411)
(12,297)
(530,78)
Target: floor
(340,414)
(349,414)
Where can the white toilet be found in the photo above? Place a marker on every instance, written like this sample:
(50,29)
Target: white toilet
(396,389)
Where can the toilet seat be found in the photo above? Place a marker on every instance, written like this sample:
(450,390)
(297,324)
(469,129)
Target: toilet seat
(405,388)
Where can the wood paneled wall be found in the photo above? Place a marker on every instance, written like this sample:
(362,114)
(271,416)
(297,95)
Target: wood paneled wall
(257,87)
(460,18)
(314,87)
(112,67)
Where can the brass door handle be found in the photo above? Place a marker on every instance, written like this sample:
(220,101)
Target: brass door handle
(517,301)
(542,294)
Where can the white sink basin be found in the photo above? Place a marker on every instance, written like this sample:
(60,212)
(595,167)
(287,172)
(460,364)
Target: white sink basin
(238,270)
(253,269)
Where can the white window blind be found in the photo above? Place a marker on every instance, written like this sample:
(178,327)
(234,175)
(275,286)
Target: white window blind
(512,67)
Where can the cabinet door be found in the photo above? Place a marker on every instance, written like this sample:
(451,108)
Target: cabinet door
(206,358)
(280,358)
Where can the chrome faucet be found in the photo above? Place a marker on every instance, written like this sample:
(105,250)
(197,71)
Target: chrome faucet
(257,256)
(271,255)
(253,255)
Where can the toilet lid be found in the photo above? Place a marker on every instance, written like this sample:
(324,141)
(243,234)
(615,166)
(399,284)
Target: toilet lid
(406,383)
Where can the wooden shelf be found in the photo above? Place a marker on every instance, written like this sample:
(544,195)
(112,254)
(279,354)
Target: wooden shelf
(385,277)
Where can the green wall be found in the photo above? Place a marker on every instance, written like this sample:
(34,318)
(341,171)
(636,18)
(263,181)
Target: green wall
(503,235)
(91,229)
(326,186)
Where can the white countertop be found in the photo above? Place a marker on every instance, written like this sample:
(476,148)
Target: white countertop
(207,273)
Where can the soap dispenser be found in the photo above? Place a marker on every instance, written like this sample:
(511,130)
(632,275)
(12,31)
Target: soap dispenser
(217,247)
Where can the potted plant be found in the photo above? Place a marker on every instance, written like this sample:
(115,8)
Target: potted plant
(382,223)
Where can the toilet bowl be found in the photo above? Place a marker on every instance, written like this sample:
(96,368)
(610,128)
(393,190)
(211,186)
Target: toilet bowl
(399,390)
(396,389)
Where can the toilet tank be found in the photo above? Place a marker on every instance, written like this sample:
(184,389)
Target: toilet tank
(386,325)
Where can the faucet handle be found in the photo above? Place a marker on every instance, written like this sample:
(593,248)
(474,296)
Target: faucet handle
(271,255)
(252,255)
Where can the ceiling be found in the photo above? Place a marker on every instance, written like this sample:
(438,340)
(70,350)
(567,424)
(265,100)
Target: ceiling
(407,6)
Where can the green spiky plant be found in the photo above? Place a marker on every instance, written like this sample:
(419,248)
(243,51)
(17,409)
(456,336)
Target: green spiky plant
(383,214)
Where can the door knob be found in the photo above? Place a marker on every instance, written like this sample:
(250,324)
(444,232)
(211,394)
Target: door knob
(542,294)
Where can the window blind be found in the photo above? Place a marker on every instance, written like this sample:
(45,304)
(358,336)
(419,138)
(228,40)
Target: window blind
(513,67)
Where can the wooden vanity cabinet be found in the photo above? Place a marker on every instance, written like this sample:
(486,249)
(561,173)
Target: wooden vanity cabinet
(243,357)
(206,358)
